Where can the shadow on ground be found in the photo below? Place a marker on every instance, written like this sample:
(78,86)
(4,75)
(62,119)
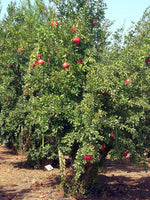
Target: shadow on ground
(12,193)
(123,181)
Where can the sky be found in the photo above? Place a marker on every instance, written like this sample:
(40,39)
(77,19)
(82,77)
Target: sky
(122,12)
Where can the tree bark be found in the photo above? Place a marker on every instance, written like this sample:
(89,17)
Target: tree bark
(62,165)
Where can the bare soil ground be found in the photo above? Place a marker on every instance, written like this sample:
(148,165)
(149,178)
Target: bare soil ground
(121,182)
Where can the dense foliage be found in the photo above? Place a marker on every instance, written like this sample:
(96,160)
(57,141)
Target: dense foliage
(63,89)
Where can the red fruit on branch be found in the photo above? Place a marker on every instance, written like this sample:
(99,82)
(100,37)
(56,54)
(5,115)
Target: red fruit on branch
(39,56)
(41,62)
(102,148)
(28,85)
(73,29)
(36,63)
(65,65)
(54,23)
(111,135)
(20,50)
(147,60)
(79,62)
(125,155)
(105,93)
(87,157)
(6,100)
(128,80)
(77,40)
(94,22)
(45,9)
(9,65)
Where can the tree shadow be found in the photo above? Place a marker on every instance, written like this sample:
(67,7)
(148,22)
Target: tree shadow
(121,185)
(112,189)
(7,149)
(1,158)
(13,193)
(3,194)
(22,165)
(25,164)
(115,187)
(30,191)
(125,165)
(124,188)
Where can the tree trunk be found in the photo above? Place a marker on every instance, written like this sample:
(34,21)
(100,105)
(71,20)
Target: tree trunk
(62,165)
(21,139)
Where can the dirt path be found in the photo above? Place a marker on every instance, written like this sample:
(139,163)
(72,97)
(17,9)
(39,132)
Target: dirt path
(21,183)
(121,182)
(125,181)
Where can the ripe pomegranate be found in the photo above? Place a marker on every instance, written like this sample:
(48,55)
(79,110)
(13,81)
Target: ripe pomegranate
(41,62)
(102,148)
(77,40)
(111,135)
(128,80)
(54,23)
(125,155)
(105,93)
(79,62)
(87,157)
(20,50)
(147,60)
(9,65)
(94,22)
(73,29)
(65,65)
